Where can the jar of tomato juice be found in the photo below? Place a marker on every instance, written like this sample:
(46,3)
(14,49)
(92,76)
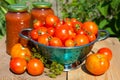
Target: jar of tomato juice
(17,18)
(41,10)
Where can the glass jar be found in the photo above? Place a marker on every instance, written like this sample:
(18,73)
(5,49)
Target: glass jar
(17,18)
(41,10)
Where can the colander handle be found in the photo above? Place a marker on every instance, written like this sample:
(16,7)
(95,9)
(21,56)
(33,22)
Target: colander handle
(103,34)
(25,33)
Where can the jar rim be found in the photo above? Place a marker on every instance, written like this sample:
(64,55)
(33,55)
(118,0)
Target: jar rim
(17,7)
(42,5)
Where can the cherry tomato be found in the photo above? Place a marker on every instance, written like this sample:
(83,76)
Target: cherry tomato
(35,67)
(90,27)
(91,37)
(106,51)
(42,30)
(62,32)
(81,40)
(51,31)
(54,41)
(51,20)
(81,31)
(77,26)
(69,43)
(97,64)
(34,34)
(73,20)
(18,65)
(44,39)
(37,24)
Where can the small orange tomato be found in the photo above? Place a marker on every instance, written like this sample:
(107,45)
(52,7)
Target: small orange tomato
(97,64)
(19,51)
(55,41)
(35,67)
(69,43)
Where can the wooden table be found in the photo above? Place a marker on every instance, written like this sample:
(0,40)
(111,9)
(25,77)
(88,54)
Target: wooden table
(113,72)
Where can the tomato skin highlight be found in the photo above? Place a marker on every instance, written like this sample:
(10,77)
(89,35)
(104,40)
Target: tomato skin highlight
(18,65)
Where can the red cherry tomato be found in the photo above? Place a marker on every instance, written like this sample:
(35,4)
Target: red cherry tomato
(54,41)
(18,65)
(51,31)
(62,32)
(51,20)
(106,51)
(90,27)
(34,34)
(81,40)
(44,39)
(37,24)
(42,30)
(91,37)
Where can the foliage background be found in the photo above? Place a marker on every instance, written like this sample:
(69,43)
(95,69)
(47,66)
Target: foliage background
(105,13)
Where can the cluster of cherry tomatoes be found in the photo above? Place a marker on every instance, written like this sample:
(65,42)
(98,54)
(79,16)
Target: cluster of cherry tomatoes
(21,61)
(63,33)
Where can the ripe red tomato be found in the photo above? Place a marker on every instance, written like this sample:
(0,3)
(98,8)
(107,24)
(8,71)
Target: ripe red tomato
(51,20)
(44,39)
(97,64)
(73,20)
(80,31)
(62,32)
(91,37)
(34,34)
(69,43)
(37,24)
(106,51)
(77,26)
(42,30)
(18,65)
(90,27)
(81,40)
(35,67)
(54,41)
(51,31)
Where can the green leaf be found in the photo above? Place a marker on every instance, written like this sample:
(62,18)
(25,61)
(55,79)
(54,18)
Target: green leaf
(115,3)
(103,9)
(10,1)
(103,23)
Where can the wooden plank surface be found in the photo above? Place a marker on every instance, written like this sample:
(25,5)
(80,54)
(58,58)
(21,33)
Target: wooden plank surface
(78,74)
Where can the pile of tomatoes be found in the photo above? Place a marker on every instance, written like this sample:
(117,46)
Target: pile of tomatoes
(99,62)
(63,33)
(21,61)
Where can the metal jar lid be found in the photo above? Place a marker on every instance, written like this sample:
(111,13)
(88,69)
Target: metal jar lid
(17,8)
(42,5)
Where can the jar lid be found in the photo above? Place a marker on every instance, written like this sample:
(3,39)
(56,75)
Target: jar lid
(42,4)
(17,7)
